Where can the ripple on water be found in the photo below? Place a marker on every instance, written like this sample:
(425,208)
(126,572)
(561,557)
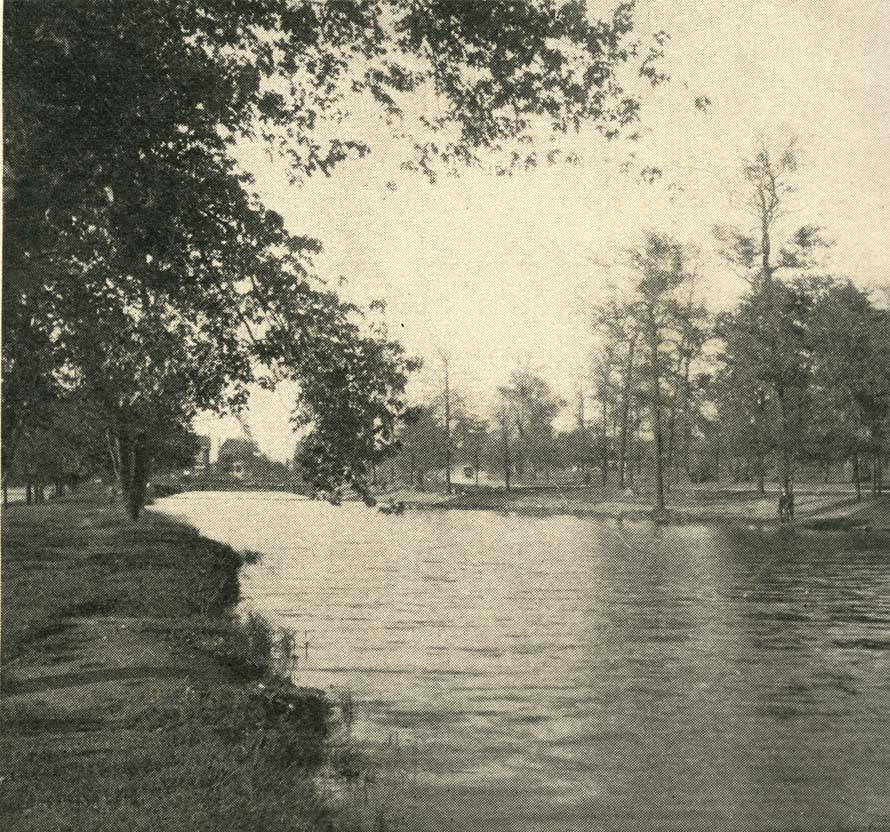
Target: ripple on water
(560,673)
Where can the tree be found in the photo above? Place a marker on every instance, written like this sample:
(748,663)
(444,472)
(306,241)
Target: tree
(446,400)
(603,370)
(767,356)
(578,448)
(755,251)
(420,443)
(351,400)
(741,406)
(760,256)
(692,332)
(504,419)
(530,406)
(66,448)
(851,338)
(661,270)
(615,320)
(128,217)
(471,434)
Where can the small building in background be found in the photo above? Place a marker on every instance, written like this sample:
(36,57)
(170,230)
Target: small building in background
(240,458)
(202,455)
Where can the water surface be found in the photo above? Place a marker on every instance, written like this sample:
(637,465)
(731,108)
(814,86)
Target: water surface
(561,673)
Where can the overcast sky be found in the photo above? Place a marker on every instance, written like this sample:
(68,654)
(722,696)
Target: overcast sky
(500,271)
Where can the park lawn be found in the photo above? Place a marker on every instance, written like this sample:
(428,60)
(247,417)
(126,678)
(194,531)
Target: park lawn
(132,698)
(818,505)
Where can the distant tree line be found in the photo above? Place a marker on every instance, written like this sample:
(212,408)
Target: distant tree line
(795,377)
(797,374)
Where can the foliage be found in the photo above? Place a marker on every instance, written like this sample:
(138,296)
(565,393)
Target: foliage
(140,267)
(351,400)
(851,337)
(530,407)
(768,355)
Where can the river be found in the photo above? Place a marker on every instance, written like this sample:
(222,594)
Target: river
(561,673)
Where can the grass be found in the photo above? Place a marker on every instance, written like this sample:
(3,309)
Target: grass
(817,505)
(132,698)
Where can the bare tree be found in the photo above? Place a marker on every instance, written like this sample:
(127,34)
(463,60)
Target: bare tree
(756,252)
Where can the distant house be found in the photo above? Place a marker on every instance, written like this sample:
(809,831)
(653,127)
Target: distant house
(240,458)
(202,455)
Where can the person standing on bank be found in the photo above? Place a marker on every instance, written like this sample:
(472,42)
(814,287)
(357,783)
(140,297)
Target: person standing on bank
(786,505)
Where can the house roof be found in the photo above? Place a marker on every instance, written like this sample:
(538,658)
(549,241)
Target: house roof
(239,447)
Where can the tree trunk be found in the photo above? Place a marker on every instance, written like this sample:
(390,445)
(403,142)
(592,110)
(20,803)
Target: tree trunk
(605,459)
(856,477)
(133,455)
(625,413)
(630,453)
(876,462)
(28,493)
(761,472)
(139,476)
(5,494)
(672,478)
(9,450)
(507,460)
(785,454)
(656,422)
(604,401)
(447,433)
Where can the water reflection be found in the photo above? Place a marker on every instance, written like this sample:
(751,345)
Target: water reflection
(561,673)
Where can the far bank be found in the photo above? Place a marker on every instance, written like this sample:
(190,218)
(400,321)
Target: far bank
(816,505)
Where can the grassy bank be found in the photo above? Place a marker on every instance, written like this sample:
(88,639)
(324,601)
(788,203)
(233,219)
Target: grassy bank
(817,505)
(132,698)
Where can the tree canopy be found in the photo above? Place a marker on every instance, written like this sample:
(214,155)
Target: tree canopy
(137,261)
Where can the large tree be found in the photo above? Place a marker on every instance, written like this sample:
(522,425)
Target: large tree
(769,318)
(133,247)
(852,374)
(661,279)
(767,357)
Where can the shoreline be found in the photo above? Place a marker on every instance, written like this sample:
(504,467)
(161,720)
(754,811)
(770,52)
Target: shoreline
(131,694)
(133,698)
(819,509)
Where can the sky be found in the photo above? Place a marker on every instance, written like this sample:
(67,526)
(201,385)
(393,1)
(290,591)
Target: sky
(500,272)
